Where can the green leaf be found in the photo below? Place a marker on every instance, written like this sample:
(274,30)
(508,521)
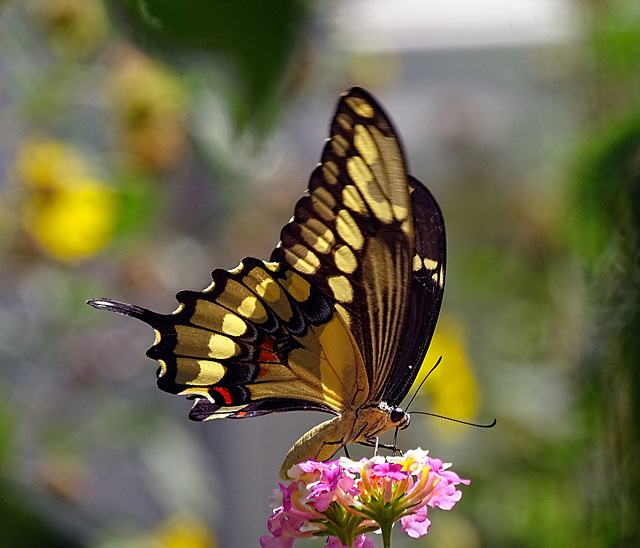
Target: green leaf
(256,39)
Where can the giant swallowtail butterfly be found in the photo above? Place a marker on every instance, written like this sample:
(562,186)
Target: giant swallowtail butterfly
(339,320)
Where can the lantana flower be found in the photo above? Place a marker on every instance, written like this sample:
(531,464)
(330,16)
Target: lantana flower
(345,499)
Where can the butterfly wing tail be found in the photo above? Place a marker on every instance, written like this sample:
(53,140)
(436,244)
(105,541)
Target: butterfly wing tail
(125,309)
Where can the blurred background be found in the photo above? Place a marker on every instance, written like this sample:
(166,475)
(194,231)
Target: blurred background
(144,143)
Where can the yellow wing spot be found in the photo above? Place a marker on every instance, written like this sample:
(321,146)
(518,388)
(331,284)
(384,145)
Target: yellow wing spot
(345,259)
(302,259)
(221,347)
(341,288)
(369,188)
(297,286)
(252,308)
(237,269)
(348,229)
(344,121)
(395,171)
(324,196)
(234,326)
(438,277)
(365,144)
(317,235)
(321,208)
(269,290)
(212,317)
(273,267)
(400,213)
(360,107)
(430,264)
(417,262)
(351,198)
(359,171)
(330,172)
(342,312)
(340,145)
(199,372)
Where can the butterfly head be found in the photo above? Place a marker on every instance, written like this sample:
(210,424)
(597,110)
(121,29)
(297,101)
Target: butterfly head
(398,416)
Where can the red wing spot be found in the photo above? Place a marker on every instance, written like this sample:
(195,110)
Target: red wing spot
(267,343)
(240,415)
(266,351)
(225,393)
(268,357)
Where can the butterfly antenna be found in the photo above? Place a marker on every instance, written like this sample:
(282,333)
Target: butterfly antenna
(422,382)
(491,425)
(395,434)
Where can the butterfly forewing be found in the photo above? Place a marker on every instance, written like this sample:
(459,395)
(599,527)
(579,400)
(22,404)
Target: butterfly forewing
(352,235)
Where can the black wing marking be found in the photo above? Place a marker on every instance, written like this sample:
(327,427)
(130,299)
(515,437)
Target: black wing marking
(427,288)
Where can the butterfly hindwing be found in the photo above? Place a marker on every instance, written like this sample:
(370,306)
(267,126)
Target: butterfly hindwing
(254,342)
(427,289)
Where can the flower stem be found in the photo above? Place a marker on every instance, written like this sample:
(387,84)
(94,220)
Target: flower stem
(386,528)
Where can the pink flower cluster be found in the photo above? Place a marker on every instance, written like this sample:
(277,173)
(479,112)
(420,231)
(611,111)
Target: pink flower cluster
(345,499)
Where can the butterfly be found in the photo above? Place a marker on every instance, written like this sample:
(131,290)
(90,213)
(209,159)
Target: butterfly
(341,316)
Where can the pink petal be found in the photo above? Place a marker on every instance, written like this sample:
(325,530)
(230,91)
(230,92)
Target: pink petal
(363,541)
(276,542)
(417,524)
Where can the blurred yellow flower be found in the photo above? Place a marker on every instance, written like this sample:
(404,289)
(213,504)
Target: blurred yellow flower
(452,387)
(183,531)
(43,164)
(70,213)
(150,103)
(75,27)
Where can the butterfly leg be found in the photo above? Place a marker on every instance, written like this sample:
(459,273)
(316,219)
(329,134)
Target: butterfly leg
(354,437)
(372,443)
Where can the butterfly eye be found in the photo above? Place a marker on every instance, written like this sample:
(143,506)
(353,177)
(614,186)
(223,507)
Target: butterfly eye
(397,415)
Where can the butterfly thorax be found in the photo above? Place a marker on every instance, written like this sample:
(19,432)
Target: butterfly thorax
(353,426)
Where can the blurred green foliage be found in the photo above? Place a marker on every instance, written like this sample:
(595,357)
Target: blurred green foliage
(255,41)
(604,224)
(605,195)
(606,230)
